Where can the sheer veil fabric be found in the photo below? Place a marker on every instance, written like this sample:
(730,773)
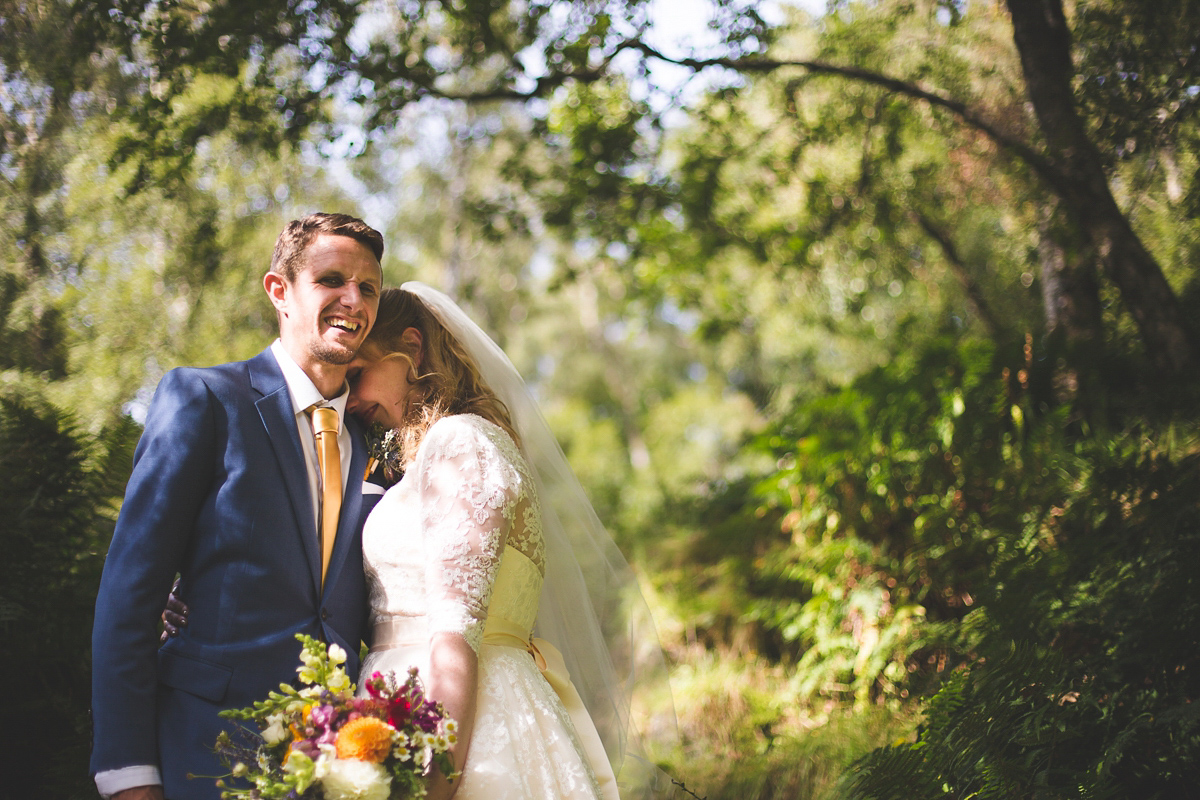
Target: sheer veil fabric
(591,607)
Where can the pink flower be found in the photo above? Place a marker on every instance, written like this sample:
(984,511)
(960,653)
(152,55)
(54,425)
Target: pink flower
(322,716)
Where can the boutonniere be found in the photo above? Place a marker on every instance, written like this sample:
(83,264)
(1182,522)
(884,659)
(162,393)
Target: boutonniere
(383,451)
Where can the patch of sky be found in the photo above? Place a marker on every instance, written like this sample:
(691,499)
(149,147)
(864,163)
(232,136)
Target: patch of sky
(616,331)
(541,265)
(685,28)
(686,320)
(546,364)
(617,250)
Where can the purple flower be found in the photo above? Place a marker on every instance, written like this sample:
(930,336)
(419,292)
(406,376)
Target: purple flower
(322,716)
(308,747)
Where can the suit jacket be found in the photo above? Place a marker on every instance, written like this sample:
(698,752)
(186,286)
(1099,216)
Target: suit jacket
(219,493)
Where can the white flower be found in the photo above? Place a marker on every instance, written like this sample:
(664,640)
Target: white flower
(348,779)
(337,680)
(307,674)
(336,654)
(325,759)
(276,731)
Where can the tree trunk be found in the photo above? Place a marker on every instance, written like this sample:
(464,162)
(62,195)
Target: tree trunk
(1043,41)
(1070,291)
(1074,321)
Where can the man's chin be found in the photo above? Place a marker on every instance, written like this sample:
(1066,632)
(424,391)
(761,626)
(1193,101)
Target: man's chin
(338,356)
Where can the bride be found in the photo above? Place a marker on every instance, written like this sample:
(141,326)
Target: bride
(486,538)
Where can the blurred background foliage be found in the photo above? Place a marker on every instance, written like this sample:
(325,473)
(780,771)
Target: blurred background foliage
(866,325)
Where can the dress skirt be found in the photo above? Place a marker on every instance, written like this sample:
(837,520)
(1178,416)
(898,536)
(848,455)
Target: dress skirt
(524,746)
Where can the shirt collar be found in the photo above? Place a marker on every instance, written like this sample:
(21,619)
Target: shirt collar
(301,388)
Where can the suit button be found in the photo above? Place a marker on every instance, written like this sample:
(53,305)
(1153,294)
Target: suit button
(324,614)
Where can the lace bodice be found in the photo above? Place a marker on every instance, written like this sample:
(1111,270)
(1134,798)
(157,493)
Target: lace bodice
(434,545)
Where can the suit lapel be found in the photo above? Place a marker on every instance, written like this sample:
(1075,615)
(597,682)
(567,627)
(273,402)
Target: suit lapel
(275,409)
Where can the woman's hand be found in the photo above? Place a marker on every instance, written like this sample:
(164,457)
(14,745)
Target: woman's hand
(174,616)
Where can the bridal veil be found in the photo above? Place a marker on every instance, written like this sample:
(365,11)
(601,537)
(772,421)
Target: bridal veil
(591,607)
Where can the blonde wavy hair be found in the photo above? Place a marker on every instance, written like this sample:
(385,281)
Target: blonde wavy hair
(448,380)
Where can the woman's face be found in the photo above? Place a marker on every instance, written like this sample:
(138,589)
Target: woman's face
(379,390)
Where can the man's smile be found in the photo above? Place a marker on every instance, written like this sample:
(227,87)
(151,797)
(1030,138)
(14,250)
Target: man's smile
(350,326)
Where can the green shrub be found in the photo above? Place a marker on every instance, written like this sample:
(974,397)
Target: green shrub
(59,503)
(1086,677)
(899,493)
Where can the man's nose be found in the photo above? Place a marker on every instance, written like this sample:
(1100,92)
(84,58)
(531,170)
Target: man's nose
(351,295)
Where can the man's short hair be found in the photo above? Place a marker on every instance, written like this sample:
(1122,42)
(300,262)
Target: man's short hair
(288,258)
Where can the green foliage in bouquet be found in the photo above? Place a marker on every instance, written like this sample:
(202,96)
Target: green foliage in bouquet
(321,741)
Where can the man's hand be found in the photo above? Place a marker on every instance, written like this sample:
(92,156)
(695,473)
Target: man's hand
(140,793)
(174,616)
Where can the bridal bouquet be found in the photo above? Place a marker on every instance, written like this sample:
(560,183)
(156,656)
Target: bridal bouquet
(321,742)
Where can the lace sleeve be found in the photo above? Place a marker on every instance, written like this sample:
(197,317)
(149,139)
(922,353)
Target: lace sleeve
(468,494)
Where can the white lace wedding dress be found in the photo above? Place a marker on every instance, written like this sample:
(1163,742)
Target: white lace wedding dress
(457,546)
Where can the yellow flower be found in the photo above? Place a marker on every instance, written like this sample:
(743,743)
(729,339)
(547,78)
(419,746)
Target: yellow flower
(295,727)
(365,739)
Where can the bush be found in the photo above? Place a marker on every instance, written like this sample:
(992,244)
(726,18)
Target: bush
(899,493)
(1086,651)
(958,532)
(62,489)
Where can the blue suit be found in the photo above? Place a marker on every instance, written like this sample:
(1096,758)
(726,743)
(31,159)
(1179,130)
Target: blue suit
(219,493)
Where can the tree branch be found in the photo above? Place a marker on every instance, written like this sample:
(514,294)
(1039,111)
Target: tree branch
(545,84)
(970,287)
(961,110)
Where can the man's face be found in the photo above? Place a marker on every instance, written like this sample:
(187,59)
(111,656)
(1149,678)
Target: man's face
(326,312)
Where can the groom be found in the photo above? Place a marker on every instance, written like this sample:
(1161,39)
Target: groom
(232,489)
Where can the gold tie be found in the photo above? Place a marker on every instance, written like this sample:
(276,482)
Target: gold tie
(329,462)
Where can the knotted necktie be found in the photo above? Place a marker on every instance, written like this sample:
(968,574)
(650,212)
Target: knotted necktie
(329,462)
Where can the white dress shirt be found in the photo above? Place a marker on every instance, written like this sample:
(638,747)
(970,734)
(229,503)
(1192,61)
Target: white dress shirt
(304,395)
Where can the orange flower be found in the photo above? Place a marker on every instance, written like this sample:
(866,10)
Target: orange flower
(365,739)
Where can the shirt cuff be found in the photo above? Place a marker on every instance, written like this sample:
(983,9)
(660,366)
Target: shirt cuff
(112,781)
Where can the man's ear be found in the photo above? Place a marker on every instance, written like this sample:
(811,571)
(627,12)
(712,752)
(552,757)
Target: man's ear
(277,288)
(411,339)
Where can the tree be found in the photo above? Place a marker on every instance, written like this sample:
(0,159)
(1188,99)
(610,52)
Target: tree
(293,61)
(1075,170)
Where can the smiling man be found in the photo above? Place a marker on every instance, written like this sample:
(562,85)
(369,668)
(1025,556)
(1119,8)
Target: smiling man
(244,483)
